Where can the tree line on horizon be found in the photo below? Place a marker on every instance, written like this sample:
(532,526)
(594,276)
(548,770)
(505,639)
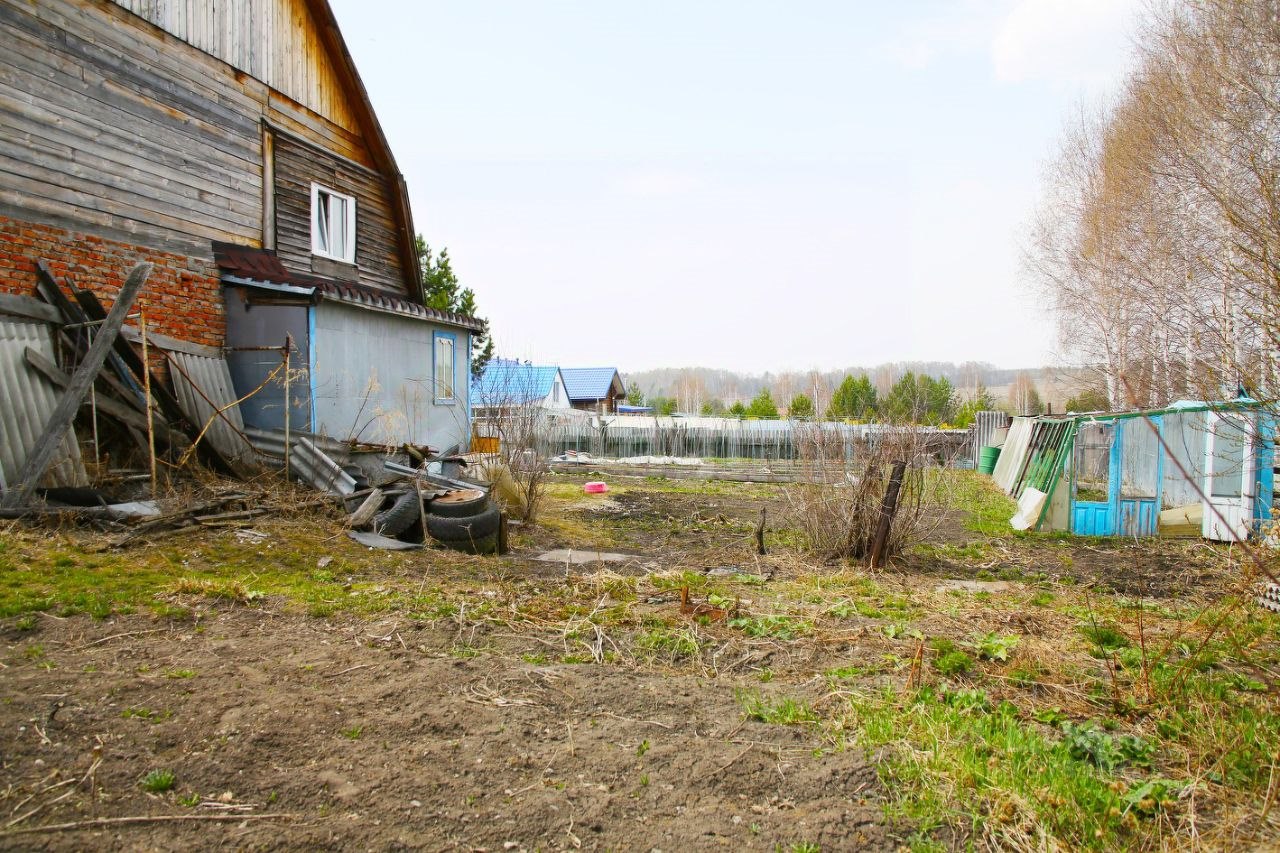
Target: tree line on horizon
(914,398)
(883,393)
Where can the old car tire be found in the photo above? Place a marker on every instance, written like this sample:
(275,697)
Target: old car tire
(475,526)
(483,545)
(400,517)
(459,504)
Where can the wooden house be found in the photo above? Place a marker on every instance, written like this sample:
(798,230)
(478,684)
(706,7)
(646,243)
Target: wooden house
(233,146)
(594,389)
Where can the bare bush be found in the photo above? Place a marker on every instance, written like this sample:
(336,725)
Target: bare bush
(509,409)
(837,503)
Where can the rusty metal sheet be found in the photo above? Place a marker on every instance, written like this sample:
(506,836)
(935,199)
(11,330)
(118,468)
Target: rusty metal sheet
(203,387)
(29,400)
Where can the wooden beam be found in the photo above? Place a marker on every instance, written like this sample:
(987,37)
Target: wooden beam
(132,335)
(28,308)
(268,187)
(41,456)
(49,288)
(108,406)
(169,407)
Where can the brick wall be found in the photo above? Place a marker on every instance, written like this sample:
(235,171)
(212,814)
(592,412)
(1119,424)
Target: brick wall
(182,296)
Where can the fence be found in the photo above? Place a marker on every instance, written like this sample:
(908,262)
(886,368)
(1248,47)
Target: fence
(709,438)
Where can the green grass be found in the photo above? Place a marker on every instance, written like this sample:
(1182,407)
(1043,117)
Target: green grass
(775,627)
(158,781)
(672,643)
(148,714)
(959,761)
(216,571)
(987,509)
(782,711)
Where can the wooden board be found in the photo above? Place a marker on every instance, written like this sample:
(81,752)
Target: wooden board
(377,245)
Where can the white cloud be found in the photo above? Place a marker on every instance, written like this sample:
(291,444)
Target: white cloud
(1069,42)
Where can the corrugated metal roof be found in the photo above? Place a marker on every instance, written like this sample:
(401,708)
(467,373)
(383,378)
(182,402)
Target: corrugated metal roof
(589,383)
(512,383)
(201,384)
(29,400)
(251,266)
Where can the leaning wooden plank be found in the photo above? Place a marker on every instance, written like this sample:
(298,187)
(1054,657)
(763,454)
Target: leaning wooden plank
(92,308)
(28,308)
(42,454)
(108,406)
(48,286)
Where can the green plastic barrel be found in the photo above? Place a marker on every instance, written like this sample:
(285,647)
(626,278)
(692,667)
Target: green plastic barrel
(987,459)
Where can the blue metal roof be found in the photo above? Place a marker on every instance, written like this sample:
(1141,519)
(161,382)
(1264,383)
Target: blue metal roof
(589,383)
(512,383)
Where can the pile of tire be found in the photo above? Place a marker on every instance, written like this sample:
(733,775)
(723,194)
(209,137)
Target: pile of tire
(465,520)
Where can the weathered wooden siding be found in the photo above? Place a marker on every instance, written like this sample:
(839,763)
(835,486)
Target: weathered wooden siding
(275,41)
(105,127)
(377,255)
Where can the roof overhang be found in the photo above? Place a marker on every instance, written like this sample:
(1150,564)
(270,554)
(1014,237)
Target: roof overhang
(245,266)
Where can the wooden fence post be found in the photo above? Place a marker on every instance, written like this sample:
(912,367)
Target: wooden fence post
(888,509)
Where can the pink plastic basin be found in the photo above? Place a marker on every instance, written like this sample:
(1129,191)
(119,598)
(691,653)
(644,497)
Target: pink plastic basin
(595,487)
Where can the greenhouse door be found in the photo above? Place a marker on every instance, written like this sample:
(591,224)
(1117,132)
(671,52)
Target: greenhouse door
(1228,488)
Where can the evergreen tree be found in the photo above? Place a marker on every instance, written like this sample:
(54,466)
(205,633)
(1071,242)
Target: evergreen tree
(762,406)
(738,410)
(921,400)
(855,398)
(800,407)
(441,291)
(967,413)
(713,408)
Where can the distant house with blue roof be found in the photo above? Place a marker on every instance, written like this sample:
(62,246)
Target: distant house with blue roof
(594,389)
(510,383)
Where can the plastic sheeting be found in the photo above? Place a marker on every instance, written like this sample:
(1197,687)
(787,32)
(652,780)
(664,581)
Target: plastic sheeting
(1014,455)
(1184,438)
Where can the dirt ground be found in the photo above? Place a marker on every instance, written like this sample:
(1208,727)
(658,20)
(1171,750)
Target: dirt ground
(367,730)
(370,735)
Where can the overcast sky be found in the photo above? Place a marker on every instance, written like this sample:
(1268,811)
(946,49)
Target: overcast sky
(745,185)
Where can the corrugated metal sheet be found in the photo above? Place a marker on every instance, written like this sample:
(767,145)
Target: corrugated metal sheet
(985,425)
(201,384)
(29,400)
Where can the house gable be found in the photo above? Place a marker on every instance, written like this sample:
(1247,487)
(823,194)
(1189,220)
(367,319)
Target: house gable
(149,130)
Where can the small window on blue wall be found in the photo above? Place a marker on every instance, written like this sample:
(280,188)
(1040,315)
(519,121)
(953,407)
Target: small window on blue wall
(443,373)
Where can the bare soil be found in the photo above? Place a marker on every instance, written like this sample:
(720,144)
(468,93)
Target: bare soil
(395,731)
(371,736)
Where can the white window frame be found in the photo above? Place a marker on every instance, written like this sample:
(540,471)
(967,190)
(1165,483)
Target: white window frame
(436,339)
(350,225)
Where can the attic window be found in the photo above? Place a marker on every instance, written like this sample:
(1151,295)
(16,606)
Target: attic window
(333,224)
